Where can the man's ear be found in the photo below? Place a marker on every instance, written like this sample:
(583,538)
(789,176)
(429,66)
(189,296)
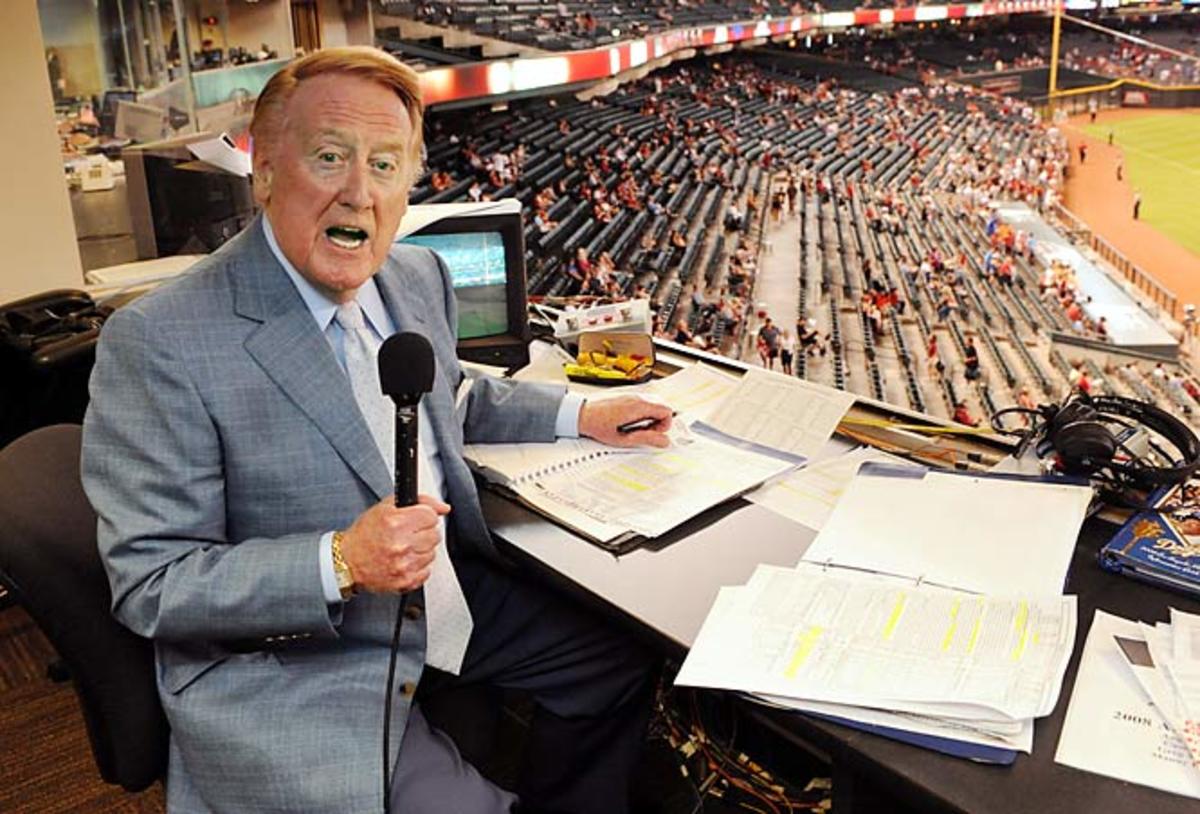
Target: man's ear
(262,177)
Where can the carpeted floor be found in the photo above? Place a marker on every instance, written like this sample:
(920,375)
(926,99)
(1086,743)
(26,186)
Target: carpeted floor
(45,761)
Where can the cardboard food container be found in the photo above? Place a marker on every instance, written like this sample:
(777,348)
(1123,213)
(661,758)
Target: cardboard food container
(612,359)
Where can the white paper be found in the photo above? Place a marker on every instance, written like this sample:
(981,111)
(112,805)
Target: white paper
(694,392)
(1019,738)
(653,492)
(509,463)
(809,495)
(1112,728)
(223,154)
(851,639)
(987,535)
(781,412)
(1151,667)
(1185,668)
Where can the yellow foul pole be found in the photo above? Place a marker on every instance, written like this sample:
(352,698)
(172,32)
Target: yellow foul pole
(1054,49)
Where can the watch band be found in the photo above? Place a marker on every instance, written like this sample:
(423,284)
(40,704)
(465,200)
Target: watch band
(341,569)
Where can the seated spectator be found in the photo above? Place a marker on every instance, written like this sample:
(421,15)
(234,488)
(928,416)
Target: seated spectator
(810,337)
(580,267)
(971,360)
(963,415)
(733,218)
(685,337)
(543,222)
(441,181)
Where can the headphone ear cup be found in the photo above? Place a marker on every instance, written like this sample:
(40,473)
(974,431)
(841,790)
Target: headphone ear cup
(1084,446)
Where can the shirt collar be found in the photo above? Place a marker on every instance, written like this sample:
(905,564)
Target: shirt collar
(320,306)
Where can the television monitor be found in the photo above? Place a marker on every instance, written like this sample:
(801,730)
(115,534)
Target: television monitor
(483,247)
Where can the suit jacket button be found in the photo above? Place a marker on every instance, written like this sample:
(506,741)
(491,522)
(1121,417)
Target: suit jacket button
(407,689)
(413,611)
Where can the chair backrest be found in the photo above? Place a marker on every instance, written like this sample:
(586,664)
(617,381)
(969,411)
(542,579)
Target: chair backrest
(49,559)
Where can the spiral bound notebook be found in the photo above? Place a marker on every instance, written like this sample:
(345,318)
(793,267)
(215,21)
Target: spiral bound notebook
(513,464)
(615,497)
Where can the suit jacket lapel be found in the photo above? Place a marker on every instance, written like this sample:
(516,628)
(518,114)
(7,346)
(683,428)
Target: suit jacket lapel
(439,403)
(294,353)
(407,317)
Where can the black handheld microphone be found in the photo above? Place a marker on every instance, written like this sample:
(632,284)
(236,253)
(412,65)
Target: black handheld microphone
(406,367)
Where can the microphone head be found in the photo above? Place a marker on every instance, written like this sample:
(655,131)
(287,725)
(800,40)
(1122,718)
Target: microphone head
(406,367)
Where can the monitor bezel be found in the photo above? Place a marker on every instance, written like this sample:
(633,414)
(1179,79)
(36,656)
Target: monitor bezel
(509,349)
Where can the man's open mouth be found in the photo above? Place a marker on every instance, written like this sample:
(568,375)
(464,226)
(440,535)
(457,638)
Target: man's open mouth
(346,237)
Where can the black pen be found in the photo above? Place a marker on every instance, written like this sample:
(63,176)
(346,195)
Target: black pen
(640,424)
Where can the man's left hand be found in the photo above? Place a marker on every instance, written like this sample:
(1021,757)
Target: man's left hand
(599,419)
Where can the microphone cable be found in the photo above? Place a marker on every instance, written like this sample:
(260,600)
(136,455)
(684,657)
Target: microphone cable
(406,371)
(387,707)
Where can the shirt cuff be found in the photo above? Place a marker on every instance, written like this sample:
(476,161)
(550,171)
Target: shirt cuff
(329,585)
(566,425)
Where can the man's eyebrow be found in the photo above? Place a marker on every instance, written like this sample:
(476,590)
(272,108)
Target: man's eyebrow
(329,134)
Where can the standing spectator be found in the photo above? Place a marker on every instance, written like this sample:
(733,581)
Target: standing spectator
(777,206)
(768,337)
(787,351)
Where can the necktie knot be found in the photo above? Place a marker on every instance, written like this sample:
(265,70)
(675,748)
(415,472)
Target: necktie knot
(350,316)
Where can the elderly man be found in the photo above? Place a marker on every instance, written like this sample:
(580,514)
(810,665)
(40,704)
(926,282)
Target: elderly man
(238,453)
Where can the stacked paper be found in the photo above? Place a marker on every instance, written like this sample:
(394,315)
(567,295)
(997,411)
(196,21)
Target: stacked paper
(929,604)
(948,664)
(1135,711)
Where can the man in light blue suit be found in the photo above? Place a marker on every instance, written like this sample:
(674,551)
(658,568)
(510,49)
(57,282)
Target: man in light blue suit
(244,495)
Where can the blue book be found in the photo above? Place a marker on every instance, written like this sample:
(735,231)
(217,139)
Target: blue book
(1161,546)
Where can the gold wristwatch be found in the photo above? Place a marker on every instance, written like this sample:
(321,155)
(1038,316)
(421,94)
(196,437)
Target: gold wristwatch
(345,577)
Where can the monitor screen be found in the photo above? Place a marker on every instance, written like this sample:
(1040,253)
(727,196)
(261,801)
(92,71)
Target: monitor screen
(477,270)
(483,247)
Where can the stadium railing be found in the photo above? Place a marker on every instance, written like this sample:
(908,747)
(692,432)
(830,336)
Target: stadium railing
(1162,296)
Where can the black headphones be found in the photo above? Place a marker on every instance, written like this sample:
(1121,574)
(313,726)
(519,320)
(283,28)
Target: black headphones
(1079,434)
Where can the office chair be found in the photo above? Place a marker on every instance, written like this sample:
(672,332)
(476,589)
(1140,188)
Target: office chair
(50,564)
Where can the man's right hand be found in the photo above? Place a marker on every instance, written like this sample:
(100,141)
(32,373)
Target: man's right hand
(389,549)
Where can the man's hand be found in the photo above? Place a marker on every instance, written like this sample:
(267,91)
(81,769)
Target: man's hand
(391,549)
(599,419)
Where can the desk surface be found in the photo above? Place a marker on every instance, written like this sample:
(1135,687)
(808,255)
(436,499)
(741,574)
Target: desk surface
(670,590)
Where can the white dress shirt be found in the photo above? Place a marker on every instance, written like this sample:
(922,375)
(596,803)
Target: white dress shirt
(323,309)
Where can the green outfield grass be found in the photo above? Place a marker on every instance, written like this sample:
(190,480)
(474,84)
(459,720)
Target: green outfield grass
(1162,160)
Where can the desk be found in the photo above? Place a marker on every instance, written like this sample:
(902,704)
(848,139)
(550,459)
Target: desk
(669,591)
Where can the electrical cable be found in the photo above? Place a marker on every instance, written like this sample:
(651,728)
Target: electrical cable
(387,707)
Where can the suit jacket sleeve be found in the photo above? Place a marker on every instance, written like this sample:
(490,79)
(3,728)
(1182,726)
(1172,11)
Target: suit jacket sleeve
(499,411)
(152,469)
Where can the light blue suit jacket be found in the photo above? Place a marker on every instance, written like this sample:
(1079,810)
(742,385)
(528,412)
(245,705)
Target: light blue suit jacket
(222,440)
